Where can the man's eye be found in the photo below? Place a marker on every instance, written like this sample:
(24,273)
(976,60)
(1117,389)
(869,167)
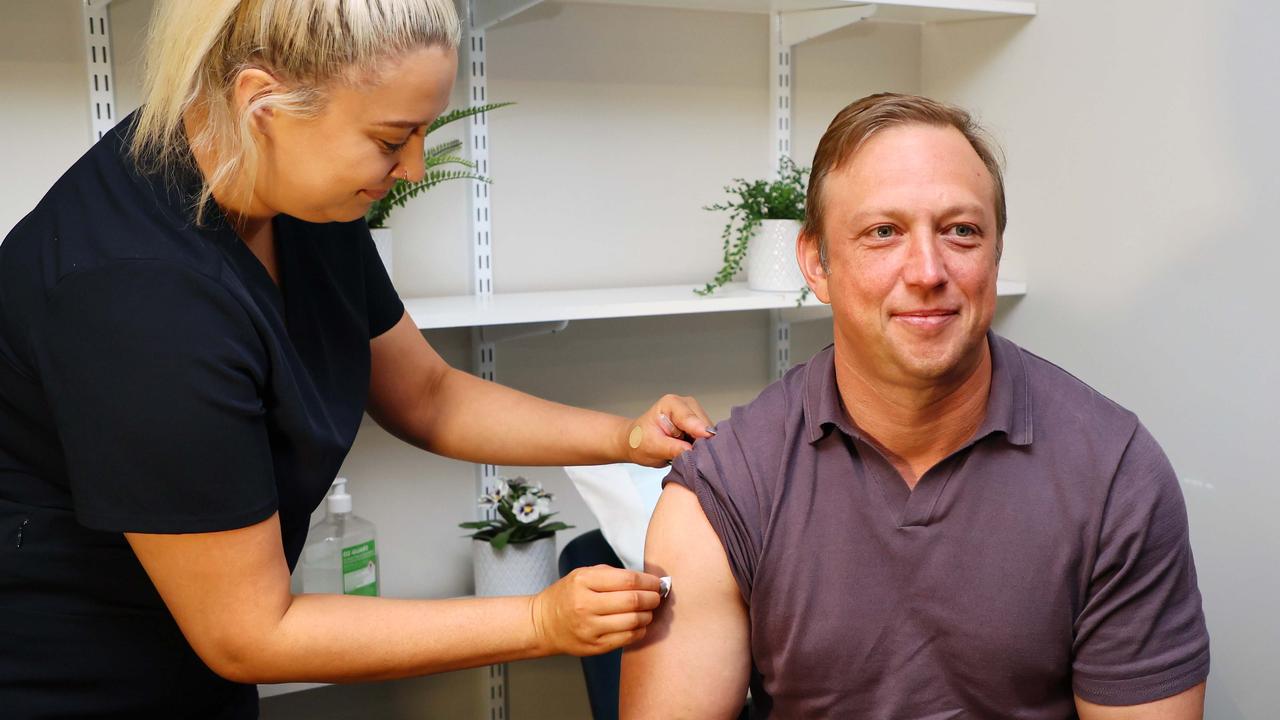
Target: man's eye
(883,232)
(964,231)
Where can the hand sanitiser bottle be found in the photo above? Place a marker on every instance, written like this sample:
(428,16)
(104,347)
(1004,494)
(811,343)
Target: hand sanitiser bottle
(340,556)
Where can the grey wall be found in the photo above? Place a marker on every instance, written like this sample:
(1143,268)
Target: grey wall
(1142,192)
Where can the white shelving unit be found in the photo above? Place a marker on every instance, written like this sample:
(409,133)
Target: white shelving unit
(792,22)
(490,12)
(549,307)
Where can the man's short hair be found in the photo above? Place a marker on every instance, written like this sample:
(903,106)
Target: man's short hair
(855,124)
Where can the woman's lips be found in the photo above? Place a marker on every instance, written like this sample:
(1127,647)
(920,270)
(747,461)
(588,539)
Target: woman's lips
(376,194)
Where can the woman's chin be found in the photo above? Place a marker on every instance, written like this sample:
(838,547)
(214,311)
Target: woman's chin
(343,213)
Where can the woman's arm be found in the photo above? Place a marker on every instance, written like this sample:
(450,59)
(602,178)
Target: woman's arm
(416,396)
(229,592)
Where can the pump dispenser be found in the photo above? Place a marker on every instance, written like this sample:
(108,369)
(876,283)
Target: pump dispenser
(340,556)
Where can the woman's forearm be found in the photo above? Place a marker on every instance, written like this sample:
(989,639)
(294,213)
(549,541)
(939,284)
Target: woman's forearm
(471,419)
(347,638)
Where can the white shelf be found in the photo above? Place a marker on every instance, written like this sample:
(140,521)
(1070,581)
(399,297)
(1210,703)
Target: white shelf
(913,11)
(265,691)
(536,307)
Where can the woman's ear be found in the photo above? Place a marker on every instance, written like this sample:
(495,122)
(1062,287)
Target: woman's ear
(252,84)
(808,254)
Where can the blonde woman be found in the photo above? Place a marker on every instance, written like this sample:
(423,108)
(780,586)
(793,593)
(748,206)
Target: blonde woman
(192,323)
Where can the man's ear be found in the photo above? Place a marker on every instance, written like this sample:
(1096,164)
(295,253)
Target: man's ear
(251,84)
(807,253)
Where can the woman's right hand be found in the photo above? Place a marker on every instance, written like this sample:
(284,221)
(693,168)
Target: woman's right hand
(594,610)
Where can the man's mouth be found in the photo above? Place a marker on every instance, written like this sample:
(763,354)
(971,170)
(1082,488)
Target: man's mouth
(927,319)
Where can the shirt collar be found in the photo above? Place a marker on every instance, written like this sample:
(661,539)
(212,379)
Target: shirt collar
(1008,403)
(176,188)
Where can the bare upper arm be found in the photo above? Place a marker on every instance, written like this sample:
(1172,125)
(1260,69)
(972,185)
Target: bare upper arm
(1186,705)
(695,660)
(403,369)
(227,590)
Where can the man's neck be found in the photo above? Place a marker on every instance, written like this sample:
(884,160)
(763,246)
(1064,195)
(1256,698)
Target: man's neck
(916,426)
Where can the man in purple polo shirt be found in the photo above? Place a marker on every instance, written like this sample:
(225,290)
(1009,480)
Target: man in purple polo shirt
(924,520)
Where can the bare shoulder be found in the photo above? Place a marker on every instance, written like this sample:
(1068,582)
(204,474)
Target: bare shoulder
(695,659)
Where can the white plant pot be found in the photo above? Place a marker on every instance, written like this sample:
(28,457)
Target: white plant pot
(382,241)
(523,569)
(771,257)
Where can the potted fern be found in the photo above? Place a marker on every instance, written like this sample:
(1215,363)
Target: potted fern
(443,162)
(764,221)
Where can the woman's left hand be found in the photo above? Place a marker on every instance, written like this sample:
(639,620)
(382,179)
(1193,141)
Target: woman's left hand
(665,430)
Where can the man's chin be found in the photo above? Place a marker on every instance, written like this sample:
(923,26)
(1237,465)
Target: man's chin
(932,362)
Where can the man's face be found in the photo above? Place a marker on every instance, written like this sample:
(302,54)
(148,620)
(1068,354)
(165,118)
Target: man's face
(911,238)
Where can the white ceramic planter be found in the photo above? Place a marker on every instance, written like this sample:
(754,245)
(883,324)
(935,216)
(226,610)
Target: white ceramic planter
(771,257)
(382,241)
(523,569)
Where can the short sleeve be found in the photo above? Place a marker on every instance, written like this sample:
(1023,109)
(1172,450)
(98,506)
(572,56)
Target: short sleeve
(154,375)
(717,472)
(1141,635)
(383,302)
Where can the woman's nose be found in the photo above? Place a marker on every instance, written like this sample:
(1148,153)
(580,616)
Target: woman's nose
(412,167)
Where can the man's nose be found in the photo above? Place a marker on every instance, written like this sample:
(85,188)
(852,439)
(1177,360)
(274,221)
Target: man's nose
(924,265)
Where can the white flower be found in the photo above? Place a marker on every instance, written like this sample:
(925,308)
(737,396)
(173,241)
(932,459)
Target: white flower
(544,506)
(494,495)
(526,509)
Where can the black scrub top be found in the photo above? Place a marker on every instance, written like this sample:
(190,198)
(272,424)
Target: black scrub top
(154,379)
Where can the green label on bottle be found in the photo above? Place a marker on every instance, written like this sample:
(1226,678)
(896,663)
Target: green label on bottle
(360,569)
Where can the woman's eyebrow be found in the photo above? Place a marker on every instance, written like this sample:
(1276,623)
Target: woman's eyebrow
(401,123)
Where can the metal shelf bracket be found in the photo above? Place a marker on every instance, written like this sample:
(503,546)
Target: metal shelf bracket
(804,25)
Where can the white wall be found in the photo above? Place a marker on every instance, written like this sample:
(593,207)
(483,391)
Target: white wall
(43,101)
(1142,196)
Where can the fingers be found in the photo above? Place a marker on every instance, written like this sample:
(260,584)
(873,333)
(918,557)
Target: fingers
(667,426)
(603,578)
(702,415)
(685,416)
(626,601)
(623,622)
(669,450)
(597,609)
(615,641)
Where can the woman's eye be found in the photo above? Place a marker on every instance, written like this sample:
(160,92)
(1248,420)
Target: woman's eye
(393,148)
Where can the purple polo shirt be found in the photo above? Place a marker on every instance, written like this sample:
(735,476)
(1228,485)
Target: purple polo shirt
(1048,555)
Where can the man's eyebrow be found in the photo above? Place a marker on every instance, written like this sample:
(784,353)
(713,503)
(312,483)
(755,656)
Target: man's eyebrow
(894,212)
(962,209)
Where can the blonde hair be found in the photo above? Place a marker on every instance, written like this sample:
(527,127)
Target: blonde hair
(855,124)
(196,49)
